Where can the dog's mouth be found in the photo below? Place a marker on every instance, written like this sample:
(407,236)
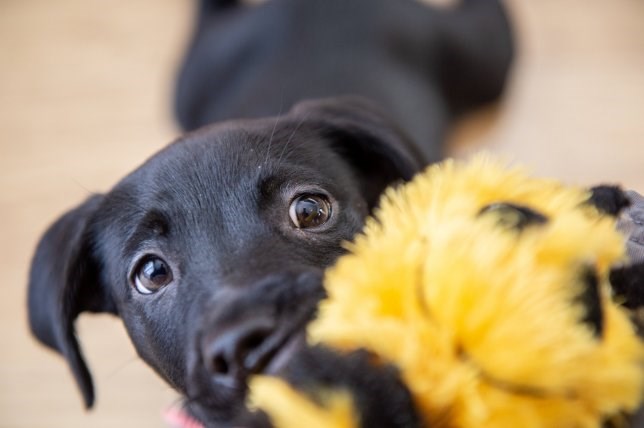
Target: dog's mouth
(266,352)
(275,351)
(281,356)
(274,354)
(248,334)
(215,398)
(272,359)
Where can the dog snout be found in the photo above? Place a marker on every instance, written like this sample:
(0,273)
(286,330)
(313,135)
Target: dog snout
(248,330)
(240,350)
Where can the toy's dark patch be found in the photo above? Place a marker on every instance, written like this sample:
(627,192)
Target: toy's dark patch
(591,301)
(628,283)
(513,216)
(609,200)
(380,396)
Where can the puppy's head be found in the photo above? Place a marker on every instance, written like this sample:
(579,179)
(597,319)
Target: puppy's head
(212,251)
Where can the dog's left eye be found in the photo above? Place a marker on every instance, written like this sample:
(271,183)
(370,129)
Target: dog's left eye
(152,274)
(310,211)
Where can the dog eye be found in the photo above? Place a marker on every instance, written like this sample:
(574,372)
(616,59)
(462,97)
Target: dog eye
(310,211)
(152,274)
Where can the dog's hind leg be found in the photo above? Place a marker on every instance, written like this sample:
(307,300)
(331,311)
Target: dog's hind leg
(476,53)
(210,43)
(209,6)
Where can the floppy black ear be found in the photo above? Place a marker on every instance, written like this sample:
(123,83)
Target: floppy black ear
(64,282)
(379,151)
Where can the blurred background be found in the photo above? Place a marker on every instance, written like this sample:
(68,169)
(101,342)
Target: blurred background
(85,96)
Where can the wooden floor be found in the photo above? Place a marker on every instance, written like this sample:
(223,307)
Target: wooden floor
(85,89)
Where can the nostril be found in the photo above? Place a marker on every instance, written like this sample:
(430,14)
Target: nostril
(220,365)
(238,350)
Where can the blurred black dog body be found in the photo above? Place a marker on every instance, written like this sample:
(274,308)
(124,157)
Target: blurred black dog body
(212,251)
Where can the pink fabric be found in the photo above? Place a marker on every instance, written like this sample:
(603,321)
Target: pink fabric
(177,417)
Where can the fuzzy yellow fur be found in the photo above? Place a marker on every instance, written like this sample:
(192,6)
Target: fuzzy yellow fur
(289,408)
(479,318)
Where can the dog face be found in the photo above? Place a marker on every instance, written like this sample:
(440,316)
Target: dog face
(212,251)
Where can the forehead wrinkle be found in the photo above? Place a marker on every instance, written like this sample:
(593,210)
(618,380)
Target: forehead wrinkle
(209,167)
(151,226)
(210,194)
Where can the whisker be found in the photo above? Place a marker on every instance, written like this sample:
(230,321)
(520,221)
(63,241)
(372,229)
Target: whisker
(277,119)
(122,367)
(79,184)
(178,401)
(297,127)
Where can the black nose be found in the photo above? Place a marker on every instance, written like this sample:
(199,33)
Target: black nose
(238,351)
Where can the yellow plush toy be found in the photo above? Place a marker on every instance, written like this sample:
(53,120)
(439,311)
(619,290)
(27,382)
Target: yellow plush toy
(488,291)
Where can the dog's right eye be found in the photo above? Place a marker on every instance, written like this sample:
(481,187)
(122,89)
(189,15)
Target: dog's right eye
(152,274)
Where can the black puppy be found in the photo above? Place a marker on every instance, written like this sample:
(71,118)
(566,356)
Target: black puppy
(212,251)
